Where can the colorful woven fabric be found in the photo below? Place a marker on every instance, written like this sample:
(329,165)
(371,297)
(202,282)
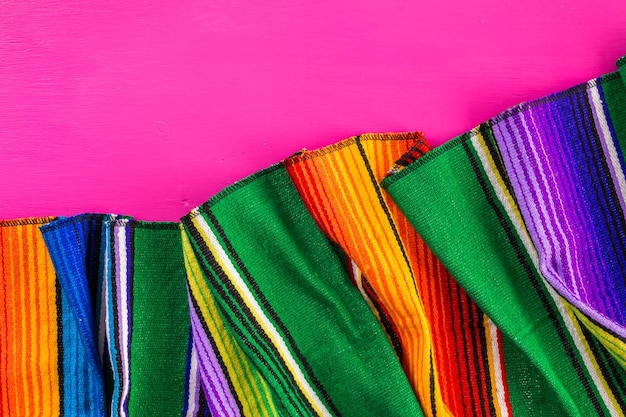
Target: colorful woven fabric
(47,367)
(234,385)
(495,206)
(452,353)
(128,289)
(149,336)
(287,300)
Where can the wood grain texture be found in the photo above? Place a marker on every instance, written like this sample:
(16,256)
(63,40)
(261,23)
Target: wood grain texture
(148,108)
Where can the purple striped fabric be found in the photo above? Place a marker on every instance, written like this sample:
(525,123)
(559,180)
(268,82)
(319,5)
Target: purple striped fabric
(566,168)
(218,391)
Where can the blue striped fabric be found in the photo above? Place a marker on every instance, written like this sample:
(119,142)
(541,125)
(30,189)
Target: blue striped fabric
(73,244)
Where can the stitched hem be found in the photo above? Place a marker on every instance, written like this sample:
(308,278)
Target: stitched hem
(459,140)
(305,155)
(229,190)
(62,221)
(26,221)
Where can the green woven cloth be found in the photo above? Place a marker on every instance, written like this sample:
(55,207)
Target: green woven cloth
(460,198)
(287,299)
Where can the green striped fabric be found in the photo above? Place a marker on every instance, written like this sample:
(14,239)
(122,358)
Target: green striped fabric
(459,198)
(288,301)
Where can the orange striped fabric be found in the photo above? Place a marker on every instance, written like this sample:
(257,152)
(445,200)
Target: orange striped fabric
(29,377)
(450,351)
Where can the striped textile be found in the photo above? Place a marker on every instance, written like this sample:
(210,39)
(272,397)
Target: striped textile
(153,358)
(286,299)
(234,385)
(47,367)
(128,289)
(513,209)
(453,354)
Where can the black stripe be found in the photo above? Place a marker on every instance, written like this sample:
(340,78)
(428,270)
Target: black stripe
(254,330)
(61,353)
(383,205)
(388,325)
(203,407)
(473,324)
(466,358)
(433,403)
(615,377)
(216,352)
(496,156)
(270,311)
(392,224)
(519,252)
(94,247)
(456,351)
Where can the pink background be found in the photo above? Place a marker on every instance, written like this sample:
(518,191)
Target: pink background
(148,108)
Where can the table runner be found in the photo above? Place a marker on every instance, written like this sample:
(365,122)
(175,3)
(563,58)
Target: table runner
(495,205)
(289,303)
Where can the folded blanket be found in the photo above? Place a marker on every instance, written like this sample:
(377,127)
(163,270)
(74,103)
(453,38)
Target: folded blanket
(287,300)
(127,285)
(453,354)
(525,212)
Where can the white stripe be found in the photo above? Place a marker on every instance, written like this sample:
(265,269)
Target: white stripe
(258,312)
(530,249)
(193,385)
(356,272)
(497,366)
(124,328)
(608,141)
(555,245)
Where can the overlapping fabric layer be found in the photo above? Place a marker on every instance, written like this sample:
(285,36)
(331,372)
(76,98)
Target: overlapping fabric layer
(287,299)
(46,366)
(454,355)
(374,277)
(525,211)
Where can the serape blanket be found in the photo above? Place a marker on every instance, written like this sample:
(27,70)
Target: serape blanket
(455,357)
(128,291)
(285,296)
(526,213)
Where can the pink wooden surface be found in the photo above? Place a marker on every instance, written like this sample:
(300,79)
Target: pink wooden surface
(148,108)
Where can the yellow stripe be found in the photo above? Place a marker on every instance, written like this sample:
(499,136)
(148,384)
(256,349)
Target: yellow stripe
(592,358)
(492,372)
(227,348)
(613,344)
(270,332)
(34,329)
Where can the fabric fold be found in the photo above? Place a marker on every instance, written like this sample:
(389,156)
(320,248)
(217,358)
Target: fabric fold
(74,247)
(126,287)
(288,302)
(511,209)
(455,357)
(148,327)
